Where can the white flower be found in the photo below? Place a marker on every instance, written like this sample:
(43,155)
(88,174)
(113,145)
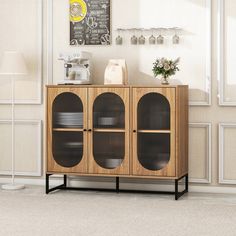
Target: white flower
(166,67)
(160,65)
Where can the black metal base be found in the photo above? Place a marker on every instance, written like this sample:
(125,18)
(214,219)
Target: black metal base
(117,189)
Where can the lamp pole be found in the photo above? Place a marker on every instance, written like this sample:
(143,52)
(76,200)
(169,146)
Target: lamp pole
(12,186)
(13,64)
(13,129)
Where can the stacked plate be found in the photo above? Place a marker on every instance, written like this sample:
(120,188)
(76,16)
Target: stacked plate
(76,145)
(69,119)
(107,121)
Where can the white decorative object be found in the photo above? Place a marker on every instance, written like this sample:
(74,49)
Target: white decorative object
(77,67)
(13,65)
(116,72)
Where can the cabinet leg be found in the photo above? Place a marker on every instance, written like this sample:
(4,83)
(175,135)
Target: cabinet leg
(117,185)
(176,189)
(65,181)
(177,193)
(47,183)
(62,186)
(186,183)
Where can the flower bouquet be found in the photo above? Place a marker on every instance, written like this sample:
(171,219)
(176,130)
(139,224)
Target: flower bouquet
(166,68)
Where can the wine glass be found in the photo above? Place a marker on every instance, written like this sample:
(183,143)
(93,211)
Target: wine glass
(119,39)
(176,38)
(141,39)
(134,39)
(160,38)
(152,39)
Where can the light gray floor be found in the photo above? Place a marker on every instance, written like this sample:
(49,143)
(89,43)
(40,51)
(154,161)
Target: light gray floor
(31,212)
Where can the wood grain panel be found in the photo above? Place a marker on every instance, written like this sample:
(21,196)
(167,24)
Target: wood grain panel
(52,93)
(170,169)
(123,93)
(182,130)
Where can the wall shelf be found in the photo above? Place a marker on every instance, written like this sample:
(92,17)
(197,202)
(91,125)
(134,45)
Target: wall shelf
(155,35)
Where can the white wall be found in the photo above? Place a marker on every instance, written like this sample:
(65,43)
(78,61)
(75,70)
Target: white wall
(194,49)
(22,31)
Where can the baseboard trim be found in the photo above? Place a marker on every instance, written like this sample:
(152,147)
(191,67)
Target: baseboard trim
(109,183)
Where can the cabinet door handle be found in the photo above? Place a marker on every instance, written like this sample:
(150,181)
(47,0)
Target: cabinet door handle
(134,131)
(85,130)
(90,130)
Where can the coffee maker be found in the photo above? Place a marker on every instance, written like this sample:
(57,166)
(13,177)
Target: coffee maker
(77,68)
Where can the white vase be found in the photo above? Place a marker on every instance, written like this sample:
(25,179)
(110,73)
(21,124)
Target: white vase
(165,81)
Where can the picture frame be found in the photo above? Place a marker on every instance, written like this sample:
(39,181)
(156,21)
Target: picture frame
(90,22)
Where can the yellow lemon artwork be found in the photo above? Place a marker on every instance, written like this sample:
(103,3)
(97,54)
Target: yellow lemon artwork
(78,10)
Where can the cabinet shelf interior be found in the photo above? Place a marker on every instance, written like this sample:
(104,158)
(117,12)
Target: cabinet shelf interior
(68,129)
(110,130)
(154,131)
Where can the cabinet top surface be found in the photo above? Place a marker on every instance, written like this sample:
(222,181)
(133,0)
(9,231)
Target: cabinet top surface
(115,86)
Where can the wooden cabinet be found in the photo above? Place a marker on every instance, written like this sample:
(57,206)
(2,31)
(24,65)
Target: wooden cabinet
(128,131)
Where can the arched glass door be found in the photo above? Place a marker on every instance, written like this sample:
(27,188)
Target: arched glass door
(109,130)
(153,121)
(67,124)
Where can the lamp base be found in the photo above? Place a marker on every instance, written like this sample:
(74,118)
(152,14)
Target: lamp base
(13,186)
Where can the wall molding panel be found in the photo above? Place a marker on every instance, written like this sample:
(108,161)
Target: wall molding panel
(50,42)
(208,155)
(221,52)
(32,155)
(224,100)
(222,156)
(35,57)
(208,76)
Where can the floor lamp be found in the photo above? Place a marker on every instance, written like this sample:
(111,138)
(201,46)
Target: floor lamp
(13,65)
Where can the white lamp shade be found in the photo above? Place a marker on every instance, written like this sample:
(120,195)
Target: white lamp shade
(13,63)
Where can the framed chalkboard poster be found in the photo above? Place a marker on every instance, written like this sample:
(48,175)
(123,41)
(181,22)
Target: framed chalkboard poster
(90,22)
